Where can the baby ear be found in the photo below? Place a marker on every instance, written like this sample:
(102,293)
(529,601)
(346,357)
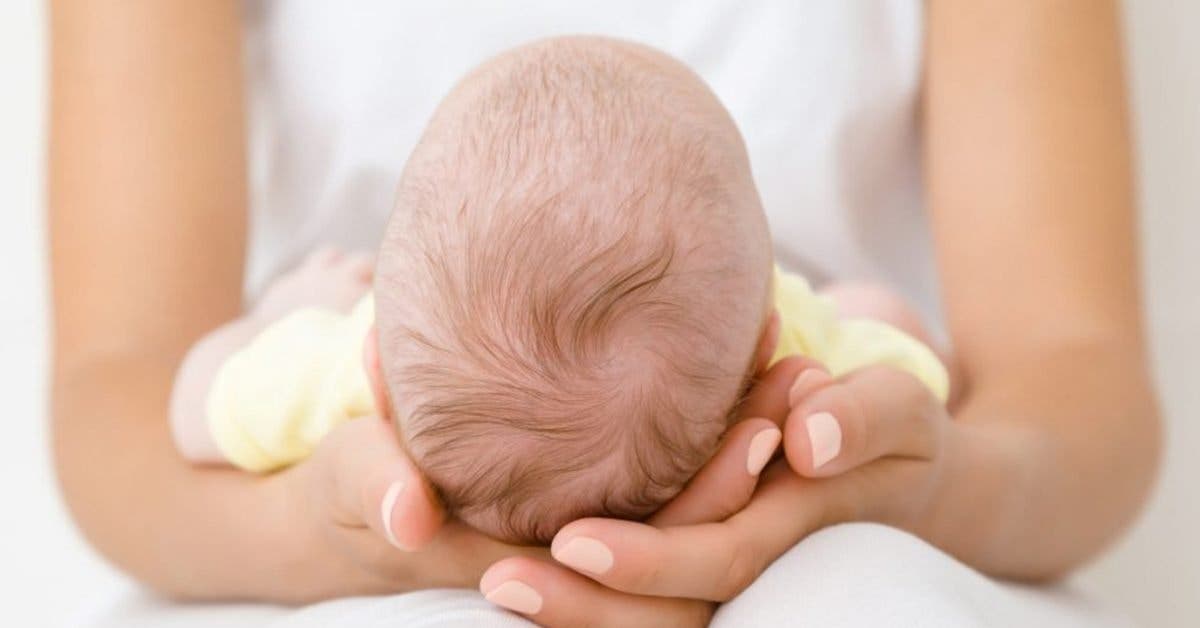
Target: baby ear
(374,372)
(767,343)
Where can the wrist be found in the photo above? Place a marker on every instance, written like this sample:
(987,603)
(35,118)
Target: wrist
(302,565)
(982,492)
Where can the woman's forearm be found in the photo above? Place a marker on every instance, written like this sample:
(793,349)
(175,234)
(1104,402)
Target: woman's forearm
(147,223)
(192,533)
(1032,203)
(1050,462)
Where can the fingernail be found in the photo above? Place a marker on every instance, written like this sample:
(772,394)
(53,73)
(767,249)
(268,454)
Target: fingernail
(825,436)
(585,554)
(805,383)
(762,447)
(387,508)
(516,596)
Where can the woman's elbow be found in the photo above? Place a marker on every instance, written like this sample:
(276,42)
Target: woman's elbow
(1147,434)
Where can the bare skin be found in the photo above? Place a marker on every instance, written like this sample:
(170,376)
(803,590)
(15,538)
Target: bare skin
(123,193)
(1050,454)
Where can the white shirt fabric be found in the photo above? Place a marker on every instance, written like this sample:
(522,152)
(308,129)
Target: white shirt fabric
(825,95)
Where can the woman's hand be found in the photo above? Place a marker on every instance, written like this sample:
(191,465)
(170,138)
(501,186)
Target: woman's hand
(868,446)
(368,523)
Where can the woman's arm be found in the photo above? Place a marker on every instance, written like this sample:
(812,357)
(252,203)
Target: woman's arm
(147,231)
(1031,194)
(147,225)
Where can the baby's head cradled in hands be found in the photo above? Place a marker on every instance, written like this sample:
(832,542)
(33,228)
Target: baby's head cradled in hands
(571,288)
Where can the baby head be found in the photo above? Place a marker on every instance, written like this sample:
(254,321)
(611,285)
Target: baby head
(572,288)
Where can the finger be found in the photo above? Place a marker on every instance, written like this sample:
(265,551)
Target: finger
(713,561)
(787,507)
(376,485)
(724,485)
(717,561)
(809,380)
(706,561)
(554,596)
(726,482)
(838,425)
(455,558)
(768,397)
(768,342)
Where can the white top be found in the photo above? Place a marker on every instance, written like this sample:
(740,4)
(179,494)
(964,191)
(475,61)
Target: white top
(823,91)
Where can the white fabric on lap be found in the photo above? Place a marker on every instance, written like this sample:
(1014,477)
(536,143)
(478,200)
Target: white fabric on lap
(864,574)
(434,608)
(857,575)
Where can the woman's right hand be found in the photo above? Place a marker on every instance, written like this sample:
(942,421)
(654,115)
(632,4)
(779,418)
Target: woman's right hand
(368,523)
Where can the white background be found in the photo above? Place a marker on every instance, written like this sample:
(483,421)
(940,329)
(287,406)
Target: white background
(48,575)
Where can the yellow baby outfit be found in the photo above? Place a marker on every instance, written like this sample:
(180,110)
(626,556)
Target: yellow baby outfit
(273,401)
(809,325)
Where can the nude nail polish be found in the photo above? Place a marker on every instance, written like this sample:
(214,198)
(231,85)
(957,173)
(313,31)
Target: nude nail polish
(762,447)
(386,509)
(585,554)
(825,437)
(516,596)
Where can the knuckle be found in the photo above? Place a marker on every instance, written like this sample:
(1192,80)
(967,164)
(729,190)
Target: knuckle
(850,412)
(383,562)
(729,503)
(700,614)
(742,567)
(689,614)
(736,580)
(646,579)
(856,426)
(377,558)
(934,437)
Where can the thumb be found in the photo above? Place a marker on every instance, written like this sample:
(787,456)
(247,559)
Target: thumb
(369,480)
(727,482)
(875,412)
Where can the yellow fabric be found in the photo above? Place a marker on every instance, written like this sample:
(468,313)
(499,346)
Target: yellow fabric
(809,325)
(273,401)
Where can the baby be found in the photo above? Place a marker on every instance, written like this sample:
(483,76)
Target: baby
(574,291)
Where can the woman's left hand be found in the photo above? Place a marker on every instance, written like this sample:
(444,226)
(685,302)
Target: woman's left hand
(869,446)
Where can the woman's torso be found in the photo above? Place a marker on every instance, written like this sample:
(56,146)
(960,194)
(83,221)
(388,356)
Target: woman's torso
(824,92)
